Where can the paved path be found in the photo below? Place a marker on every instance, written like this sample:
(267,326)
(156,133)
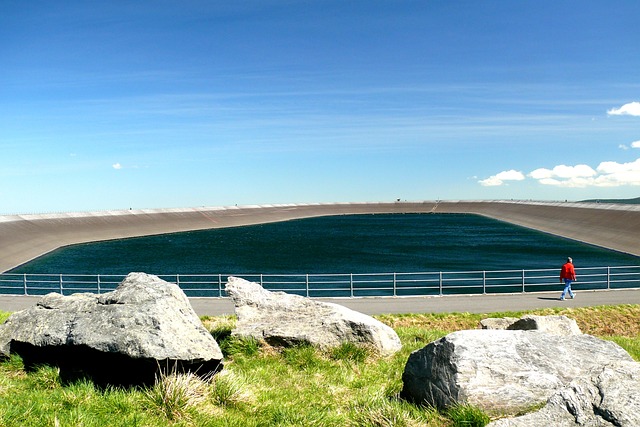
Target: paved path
(447,304)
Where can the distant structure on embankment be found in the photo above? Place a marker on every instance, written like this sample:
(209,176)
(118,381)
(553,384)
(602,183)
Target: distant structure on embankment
(25,237)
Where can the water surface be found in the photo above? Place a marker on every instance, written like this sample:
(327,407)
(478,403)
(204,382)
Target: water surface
(335,244)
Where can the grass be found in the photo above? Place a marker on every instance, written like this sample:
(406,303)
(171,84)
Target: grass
(266,386)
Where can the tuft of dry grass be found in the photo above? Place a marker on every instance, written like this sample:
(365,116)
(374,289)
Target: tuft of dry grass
(433,321)
(174,394)
(218,323)
(620,320)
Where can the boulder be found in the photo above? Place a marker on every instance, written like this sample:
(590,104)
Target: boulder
(501,370)
(605,396)
(284,319)
(556,325)
(123,337)
(498,322)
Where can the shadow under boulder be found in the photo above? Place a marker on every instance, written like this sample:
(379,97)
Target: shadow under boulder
(122,338)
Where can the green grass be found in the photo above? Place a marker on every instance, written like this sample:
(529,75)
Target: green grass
(266,386)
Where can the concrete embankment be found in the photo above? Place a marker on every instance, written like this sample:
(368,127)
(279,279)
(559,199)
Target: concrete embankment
(24,237)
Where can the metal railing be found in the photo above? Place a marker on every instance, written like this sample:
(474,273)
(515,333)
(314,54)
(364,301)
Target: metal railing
(343,285)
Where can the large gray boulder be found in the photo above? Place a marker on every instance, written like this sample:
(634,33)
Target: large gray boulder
(605,396)
(285,319)
(501,370)
(123,337)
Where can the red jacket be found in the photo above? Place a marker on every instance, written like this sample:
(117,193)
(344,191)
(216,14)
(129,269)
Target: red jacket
(568,272)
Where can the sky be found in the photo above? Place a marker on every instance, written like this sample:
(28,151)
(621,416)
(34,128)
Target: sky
(169,104)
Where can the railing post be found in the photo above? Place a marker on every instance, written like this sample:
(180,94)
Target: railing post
(98,283)
(608,278)
(484,282)
(351,283)
(523,288)
(261,280)
(394,285)
(60,283)
(440,283)
(178,280)
(220,285)
(24,283)
(307,284)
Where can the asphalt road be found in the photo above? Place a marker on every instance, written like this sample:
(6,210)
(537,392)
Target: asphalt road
(389,305)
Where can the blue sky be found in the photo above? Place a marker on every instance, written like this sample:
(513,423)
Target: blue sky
(153,104)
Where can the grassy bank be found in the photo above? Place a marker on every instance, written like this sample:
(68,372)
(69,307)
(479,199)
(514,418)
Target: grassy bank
(264,386)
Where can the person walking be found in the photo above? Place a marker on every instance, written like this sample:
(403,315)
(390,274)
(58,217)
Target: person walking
(567,276)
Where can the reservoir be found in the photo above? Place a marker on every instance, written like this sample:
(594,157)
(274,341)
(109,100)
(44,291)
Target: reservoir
(362,243)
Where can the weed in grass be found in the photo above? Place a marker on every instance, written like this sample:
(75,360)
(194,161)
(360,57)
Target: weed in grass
(229,390)
(175,394)
(377,410)
(77,394)
(417,337)
(303,357)
(467,416)
(219,326)
(294,416)
(350,352)
(123,403)
(12,364)
(45,377)
(236,345)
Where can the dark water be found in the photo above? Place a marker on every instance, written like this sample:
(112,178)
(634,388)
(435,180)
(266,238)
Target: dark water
(338,244)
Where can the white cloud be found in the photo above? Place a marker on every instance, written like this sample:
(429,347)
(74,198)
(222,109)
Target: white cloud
(630,109)
(563,172)
(116,166)
(500,178)
(614,174)
(607,174)
(635,144)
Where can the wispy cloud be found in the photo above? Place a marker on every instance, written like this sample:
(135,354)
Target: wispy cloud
(502,177)
(630,109)
(116,166)
(634,144)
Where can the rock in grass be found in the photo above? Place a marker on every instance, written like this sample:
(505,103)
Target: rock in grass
(124,337)
(285,319)
(605,396)
(555,325)
(500,370)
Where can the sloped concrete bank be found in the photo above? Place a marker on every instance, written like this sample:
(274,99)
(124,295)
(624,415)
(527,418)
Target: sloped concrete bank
(25,237)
